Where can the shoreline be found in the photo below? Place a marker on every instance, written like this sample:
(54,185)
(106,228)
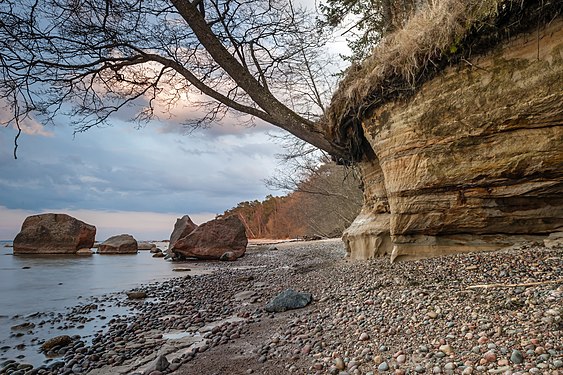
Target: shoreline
(367,316)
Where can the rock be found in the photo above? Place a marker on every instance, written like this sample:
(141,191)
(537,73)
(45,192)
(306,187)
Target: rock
(159,364)
(490,356)
(56,341)
(182,228)
(451,171)
(213,239)
(289,300)
(447,349)
(158,255)
(228,256)
(53,234)
(23,327)
(84,251)
(339,363)
(244,296)
(143,245)
(136,295)
(120,244)
(155,250)
(516,357)
(554,240)
(383,366)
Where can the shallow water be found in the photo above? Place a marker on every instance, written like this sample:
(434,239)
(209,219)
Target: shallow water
(31,283)
(35,288)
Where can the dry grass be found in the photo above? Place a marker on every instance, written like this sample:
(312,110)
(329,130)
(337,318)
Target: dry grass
(405,59)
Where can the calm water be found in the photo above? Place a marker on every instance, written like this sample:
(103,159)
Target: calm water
(53,284)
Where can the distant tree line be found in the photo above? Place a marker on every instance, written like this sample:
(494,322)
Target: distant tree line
(323,204)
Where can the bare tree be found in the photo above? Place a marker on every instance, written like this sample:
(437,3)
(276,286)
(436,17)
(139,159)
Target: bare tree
(89,59)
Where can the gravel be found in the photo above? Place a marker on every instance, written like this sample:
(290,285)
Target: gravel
(425,316)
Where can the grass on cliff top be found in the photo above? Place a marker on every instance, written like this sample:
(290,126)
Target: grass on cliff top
(441,33)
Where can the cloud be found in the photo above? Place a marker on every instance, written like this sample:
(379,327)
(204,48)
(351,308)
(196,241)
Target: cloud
(121,169)
(28,125)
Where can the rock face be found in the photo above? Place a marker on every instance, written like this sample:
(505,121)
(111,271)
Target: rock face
(182,228)
(473,161)
(213,239)
(120,244)
(53,234)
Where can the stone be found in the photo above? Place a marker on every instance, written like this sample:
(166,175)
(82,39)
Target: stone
(182,228)
(245,296)
(143,245)
(213,239)
(62,340)
(471,161)
(160,254)
(53,233)
(490,356)
(84,251)
(136,295)
(289,300)
(120,244)
(159,364)
(554,240)
(228,256)
(383,366)
(419,369)
(447,349)
(339,363)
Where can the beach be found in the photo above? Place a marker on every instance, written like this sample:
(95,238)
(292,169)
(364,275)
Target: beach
(498,312)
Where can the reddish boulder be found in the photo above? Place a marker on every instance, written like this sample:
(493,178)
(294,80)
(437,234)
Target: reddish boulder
(182,228)
(213,239)
(53,234)
(120,244)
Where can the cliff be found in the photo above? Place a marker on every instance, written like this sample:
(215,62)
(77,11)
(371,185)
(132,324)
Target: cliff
(471,159)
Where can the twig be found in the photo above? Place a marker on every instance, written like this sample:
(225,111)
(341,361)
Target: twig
(474,65)
(499,285)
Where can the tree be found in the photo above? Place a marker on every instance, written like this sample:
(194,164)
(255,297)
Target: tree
(365,22)
(90,59)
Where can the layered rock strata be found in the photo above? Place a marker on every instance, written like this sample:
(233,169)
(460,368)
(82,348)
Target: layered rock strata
(473,161)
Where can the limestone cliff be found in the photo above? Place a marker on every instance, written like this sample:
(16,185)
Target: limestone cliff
(473,160)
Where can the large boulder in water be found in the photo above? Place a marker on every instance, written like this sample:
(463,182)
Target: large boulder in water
(120,244)
(53,234)
(182,228)
(213,239)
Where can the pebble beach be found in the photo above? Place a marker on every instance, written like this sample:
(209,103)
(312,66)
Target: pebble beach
(497,313)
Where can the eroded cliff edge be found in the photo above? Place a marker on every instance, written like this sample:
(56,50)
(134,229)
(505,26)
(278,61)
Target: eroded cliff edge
(473,160)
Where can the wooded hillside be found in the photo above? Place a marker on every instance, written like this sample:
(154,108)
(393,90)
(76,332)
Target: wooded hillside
(324,204)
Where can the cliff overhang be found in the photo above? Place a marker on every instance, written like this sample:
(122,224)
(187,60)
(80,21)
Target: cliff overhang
(458,137)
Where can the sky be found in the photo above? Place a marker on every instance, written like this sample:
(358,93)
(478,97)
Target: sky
(127,180)
(137,181)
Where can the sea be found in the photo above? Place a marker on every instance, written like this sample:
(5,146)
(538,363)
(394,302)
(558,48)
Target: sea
(33,288)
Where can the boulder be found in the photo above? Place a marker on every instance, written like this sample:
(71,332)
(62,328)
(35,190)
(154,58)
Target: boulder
(289,299)
(136,294)
(62,340)
(146,246)
(213,239)
(182,228)
(53,234)
(120,244)
(84,251)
